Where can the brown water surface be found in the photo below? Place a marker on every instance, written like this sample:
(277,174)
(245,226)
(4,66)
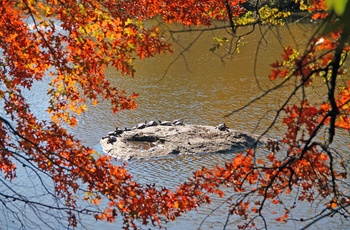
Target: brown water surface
(199,86)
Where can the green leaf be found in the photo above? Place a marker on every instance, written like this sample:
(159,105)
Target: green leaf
(338,6)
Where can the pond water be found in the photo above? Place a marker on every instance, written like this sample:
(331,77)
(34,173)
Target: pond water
(202,87)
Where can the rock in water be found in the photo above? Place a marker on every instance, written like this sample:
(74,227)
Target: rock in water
(156,141)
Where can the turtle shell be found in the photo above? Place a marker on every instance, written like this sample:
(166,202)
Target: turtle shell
(178,122)
(152,123)
(222,127)
(118,131)
(166,123)
(111,139)
(140,125)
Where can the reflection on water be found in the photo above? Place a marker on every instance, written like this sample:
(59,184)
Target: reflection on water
(201,89)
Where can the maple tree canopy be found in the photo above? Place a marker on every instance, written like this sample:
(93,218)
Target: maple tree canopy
(71,43)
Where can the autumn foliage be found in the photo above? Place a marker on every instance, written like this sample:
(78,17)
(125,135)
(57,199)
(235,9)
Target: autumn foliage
(70,44)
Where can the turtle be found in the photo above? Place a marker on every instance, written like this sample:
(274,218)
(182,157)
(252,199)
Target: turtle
(118,131)
(165,123)
(151,123)
(222,127)
(178,122)
(111,133)
(140,125)
(127,129)
(111,139)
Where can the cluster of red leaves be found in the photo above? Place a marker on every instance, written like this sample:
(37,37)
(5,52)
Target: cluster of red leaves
(201,13)
(317,62)
(308,163)
(306,172)
(319,9)
(303,66)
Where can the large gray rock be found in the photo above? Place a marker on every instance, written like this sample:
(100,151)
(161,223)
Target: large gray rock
(185,139)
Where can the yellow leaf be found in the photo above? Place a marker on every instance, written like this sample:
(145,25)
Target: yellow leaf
(129,21)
